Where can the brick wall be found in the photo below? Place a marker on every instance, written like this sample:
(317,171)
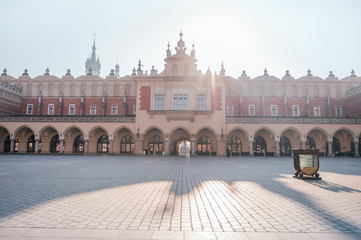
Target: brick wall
(144,100)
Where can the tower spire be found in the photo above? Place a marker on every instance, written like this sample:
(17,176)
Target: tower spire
(93,50)
(93,62)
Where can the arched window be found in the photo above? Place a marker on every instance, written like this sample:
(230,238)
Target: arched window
(259,146)
(234,144)
(55,144)
(7,144)
(310,143)
(285,146)
(204,145)
(78,145)
(103,144)
(155,144)
(127,144)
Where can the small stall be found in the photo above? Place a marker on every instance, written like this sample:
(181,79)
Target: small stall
(306,163)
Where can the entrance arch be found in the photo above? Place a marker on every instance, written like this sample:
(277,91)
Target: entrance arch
(234,144)
(285,146)
(78,144)
(319,137)
(55,144)
(206,142)
(156,145)
(259,146)
(180,140)
(103,144)
(204,145)
(153,141)
(127,144)
(5,142)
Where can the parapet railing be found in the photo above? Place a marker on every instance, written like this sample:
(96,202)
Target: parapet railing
(293,120)
(76,118)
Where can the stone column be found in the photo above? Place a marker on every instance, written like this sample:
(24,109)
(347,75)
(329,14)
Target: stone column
(86,144)
(357,154)
(251,148)
(138,146)
(12,143)
(37,145)
(111,141)
(37,141)
(111,146)
(221,151)
(303,143)
(193,147)
(329,154)
(61,151)
(167,150)
(278,149)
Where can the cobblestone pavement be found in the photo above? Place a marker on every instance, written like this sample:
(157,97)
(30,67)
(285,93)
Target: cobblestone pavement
(177,198)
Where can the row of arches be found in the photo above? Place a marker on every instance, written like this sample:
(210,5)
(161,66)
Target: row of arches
(154,141)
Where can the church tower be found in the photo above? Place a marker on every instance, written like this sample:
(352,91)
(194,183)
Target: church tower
(92,64)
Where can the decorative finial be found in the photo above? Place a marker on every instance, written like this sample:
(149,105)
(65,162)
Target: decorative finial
(288,73)
(168,45)
(111,72)
(133,72)
(181,34)
(192,46)
(244,74)
(4,72)
(46,72)
(309,73)
(331,74)
(25,72)
(90,71)
(68,72)
(265,72)
(352,73)
(139,66)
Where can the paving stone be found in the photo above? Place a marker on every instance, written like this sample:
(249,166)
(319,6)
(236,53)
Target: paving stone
(200,194)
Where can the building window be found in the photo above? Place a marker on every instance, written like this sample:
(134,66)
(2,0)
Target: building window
(29,109)
(251,110)
(338,111)
(180,101)
(201,102)
(273,110)
(134,109)
(229,110)
(127,144)
(114,109)
(71,109)
(317,111)
(93,109)
(204,145)
(296,110)
(159,101)
(50,109)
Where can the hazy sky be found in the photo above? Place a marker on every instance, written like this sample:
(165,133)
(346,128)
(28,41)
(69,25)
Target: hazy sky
(249,35)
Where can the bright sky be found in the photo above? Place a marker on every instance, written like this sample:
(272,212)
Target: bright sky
(323,35)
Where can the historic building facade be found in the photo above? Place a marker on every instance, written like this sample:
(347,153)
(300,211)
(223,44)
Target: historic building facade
(179,108)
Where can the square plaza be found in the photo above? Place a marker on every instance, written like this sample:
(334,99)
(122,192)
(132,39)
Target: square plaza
(170,197)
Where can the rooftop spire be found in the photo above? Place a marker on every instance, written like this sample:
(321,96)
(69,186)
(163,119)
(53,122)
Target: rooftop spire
(93,50)
(93,62)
